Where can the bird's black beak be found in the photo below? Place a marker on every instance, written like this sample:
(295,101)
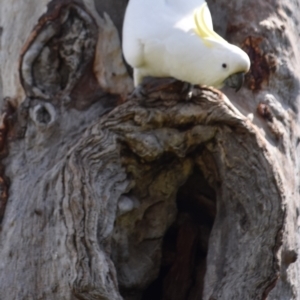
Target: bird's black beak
(235,81)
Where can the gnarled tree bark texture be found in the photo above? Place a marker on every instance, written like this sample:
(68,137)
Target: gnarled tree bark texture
(107,196)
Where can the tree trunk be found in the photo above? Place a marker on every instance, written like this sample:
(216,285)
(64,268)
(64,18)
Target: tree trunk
(107,196)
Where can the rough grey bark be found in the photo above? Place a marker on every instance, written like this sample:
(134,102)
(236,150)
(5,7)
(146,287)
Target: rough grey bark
(105,196)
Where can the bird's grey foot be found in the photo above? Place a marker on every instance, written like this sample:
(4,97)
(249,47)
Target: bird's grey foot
(187,89)
(139,92)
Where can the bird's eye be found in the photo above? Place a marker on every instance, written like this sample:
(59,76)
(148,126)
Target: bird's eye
(224,66)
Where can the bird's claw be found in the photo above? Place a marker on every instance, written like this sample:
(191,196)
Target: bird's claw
(187,89)
(138,92)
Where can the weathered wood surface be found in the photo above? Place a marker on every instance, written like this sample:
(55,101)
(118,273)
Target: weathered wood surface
(109,197)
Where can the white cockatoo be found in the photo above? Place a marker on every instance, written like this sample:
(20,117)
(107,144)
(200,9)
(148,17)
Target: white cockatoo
(175,38)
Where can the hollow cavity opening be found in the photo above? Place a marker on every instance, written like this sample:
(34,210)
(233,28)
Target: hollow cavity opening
(185,245)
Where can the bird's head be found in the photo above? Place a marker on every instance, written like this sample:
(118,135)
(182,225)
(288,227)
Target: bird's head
(229,66)
(229,63)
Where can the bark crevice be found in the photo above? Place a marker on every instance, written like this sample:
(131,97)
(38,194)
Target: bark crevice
(157,197)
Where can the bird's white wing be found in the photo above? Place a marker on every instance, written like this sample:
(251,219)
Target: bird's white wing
(143,23)
(148,22)
(183,7)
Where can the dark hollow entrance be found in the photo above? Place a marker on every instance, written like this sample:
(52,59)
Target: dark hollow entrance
(185,244)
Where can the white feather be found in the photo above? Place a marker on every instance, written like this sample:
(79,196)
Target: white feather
(160,39)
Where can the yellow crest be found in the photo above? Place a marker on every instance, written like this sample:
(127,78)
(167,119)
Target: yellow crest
(204,27)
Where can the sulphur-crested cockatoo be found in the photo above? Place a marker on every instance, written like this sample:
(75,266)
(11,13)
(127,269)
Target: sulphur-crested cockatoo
(175,38)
